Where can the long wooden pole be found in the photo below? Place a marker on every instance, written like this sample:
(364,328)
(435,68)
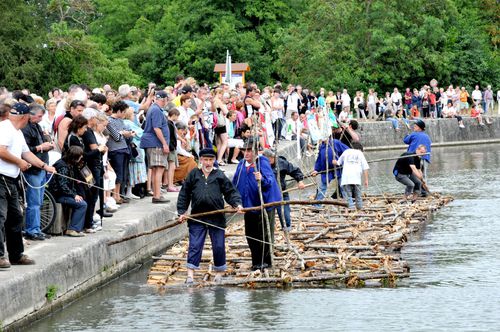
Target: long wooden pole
(204,214)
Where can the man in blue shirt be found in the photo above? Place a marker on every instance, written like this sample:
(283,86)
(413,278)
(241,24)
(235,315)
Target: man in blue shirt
(155,140)
(414,140)
(251,170)
(328,151)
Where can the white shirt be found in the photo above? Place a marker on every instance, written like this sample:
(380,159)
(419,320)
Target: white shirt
(476,94)
(346,100)
(395,97)
(60,108)
(354,162)
(102,140)
(13,139)
(292,102)
(371,99)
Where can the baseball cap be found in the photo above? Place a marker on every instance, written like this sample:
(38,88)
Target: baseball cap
(160,94)
(186,89)
(20,109)
(420,124)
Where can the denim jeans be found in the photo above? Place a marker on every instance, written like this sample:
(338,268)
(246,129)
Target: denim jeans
(285,211)
(11,219)
(197,235)
(323,187)
(395,122)
(350,191)
(411,182)
(34,199)
(78,214)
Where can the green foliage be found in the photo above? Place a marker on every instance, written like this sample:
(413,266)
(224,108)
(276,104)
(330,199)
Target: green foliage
(51,293)
(334,44)
(382,44)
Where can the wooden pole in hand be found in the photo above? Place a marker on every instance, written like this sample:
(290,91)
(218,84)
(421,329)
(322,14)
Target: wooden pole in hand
(204,214)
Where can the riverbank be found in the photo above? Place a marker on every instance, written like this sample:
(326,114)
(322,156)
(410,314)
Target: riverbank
(380,135)
(68,268)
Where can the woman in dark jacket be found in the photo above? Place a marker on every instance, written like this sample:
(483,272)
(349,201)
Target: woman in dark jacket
(70,192)
(77,129)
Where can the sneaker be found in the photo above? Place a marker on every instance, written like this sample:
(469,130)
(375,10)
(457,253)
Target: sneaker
(89,230)
(105,214)
(161,200)
(34,237)
(218,279)
(4,263)
(73,233)
(189,281)
(24,260)
(97,226)
(111,209)
(132,196)
(173,190)
(461,126)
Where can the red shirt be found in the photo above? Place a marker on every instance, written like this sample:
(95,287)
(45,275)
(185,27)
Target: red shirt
(432,98)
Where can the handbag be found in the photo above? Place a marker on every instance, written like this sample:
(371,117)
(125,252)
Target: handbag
(87,176)
(133,150)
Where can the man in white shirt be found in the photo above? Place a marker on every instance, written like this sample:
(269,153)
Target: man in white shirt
(346,99)
(354,165)
(15,156)
(292,101)
(477,96)
(397,99)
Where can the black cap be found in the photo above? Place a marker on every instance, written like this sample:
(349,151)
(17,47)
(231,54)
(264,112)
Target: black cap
(248,145)
(160,94)
(207,153)
(186,89)
(420,124)
(20,109)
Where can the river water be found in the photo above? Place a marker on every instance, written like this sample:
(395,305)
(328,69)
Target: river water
(454,282)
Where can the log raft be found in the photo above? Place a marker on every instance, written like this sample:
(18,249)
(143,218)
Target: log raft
(330,246)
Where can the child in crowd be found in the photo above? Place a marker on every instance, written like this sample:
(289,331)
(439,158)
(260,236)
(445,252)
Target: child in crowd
(354,166)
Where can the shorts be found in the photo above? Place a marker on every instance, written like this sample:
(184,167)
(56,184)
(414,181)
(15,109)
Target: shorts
(220,130)
(109,183)
(234,143)
(172,157)
(156,157)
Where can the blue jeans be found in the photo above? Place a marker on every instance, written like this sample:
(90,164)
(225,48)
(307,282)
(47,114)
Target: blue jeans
(78,215)
(351,190)
(395,122)
(197,234)
(323,187)
(411,182)
(320,195)
(286,211)
(34,199)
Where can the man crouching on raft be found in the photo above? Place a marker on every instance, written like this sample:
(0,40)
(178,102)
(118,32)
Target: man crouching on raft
(206,188)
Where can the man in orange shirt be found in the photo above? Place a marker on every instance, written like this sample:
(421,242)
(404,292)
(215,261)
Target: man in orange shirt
(464,105)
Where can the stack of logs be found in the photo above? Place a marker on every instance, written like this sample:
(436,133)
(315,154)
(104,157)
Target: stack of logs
(329,246)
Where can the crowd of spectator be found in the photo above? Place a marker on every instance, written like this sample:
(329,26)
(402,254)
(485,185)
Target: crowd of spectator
(134,142)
